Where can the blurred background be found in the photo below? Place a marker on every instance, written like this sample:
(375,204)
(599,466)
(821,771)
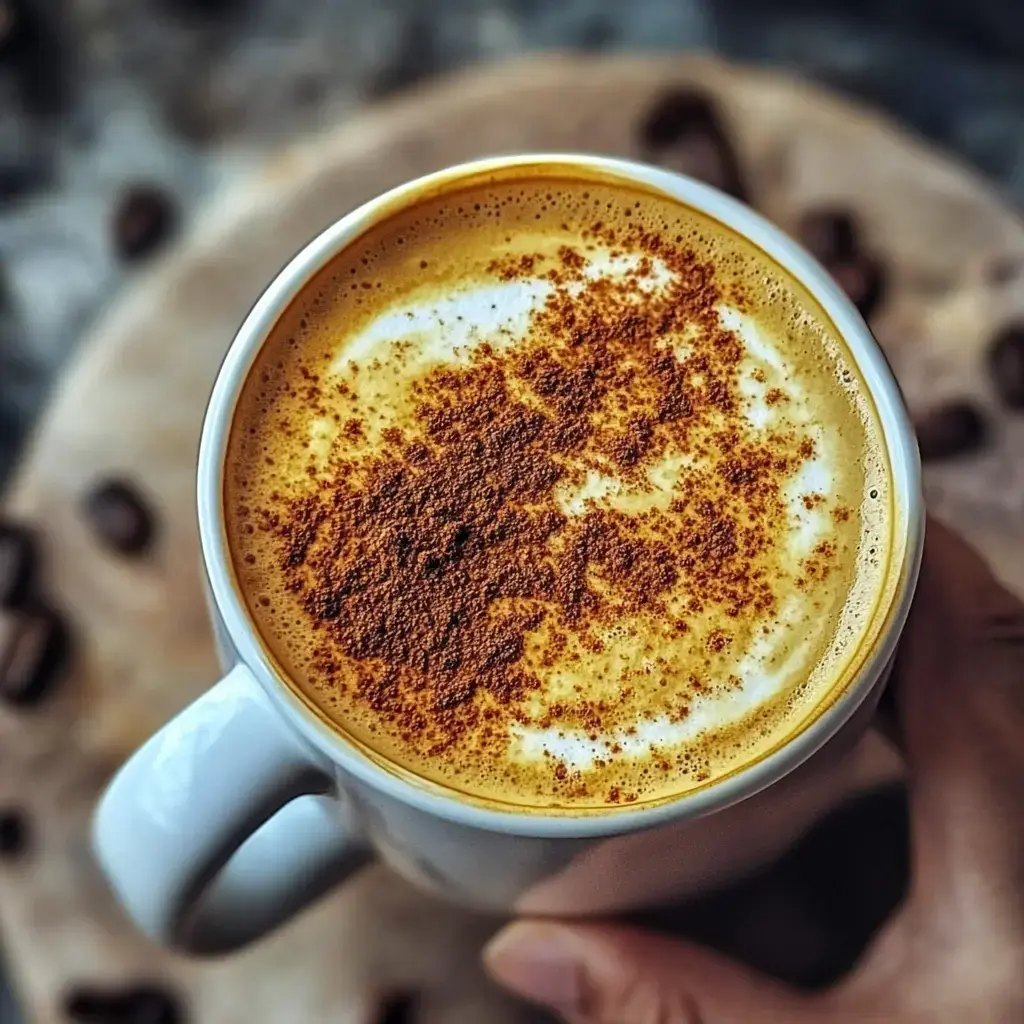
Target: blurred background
(120,119)
(160,102)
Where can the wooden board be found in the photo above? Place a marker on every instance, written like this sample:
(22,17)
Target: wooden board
(132,402)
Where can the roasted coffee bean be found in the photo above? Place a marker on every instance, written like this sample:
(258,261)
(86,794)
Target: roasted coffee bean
(1006,364)
(33,647)
(14,833)
(397,1009)
(119,517)
(949,430)
(682,130)
(1004,270)
(139,1004)
(145,218)
(150,1004)
(18,559)
(85,1005)
(831,236)
(675,114)
(863,281)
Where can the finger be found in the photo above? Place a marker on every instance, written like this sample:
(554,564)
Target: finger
(961,695)
(598,974)
(956,950)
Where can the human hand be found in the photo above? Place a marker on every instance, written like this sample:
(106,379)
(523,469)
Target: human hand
(954,952)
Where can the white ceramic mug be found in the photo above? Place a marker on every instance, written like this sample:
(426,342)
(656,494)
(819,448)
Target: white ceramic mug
(248,804)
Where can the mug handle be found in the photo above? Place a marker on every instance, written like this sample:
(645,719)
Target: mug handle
(224,824)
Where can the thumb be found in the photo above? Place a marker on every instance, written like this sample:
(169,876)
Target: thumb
(599,974)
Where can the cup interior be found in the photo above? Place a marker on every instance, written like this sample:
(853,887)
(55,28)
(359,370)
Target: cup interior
(892,415)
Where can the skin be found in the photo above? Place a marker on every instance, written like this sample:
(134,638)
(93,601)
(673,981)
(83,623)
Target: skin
(954,952)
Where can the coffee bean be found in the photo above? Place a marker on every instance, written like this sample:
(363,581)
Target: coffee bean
(87,1006)
(684,132)
(1006,364)
(863,281)
(141,1004)
(119,517)
(1004,270)
(150,1004)
(145,219)
(675,114)
(397,1009)
(949,430)
(18,558)
(831,236)
(14,833)
(33,648)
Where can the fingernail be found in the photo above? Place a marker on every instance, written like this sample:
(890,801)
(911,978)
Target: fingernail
(538,962)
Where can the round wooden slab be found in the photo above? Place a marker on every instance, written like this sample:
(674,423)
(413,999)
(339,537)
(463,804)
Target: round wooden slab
(131,406)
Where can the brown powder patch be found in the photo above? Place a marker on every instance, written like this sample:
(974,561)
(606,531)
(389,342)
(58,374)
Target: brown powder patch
(430,569)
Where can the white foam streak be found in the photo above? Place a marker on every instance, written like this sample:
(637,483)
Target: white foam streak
(808,525)
(754,339)
(760,681)
(446,330)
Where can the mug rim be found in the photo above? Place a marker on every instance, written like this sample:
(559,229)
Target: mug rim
(435,800)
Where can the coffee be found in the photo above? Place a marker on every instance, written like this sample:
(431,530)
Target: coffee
(555,492)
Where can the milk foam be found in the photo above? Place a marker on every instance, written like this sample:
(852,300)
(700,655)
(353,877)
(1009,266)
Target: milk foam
(427,293)
(446,331)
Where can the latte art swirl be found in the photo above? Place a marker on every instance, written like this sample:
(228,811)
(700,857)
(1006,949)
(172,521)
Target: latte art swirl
(557,493)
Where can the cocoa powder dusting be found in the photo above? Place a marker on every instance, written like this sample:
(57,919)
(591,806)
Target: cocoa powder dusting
(442,573)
